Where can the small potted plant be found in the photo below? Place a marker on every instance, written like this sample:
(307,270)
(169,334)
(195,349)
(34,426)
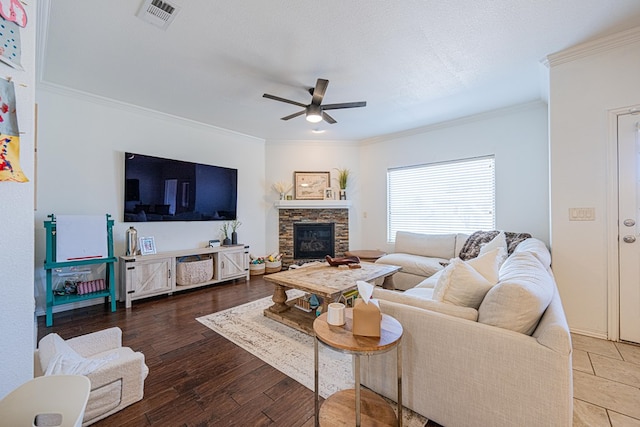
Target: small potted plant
(226,241)
(234,235)
(343,177)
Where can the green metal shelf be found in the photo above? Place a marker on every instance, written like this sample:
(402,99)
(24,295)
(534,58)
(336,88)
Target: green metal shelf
(109,294)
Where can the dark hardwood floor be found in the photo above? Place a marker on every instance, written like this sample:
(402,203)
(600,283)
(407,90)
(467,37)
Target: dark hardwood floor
(196,377)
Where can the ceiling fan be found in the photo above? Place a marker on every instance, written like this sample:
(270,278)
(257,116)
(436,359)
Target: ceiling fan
(315,111)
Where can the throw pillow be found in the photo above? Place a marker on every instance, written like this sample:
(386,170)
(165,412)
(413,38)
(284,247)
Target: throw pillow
(67,361)
(500,241)
(466,283)
(488,263)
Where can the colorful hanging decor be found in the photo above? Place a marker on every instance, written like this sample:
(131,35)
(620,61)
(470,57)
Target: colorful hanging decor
(10,47)
(13,11)
(9,135)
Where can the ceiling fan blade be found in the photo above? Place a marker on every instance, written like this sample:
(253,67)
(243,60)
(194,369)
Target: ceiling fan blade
(318,92)
(288,101)
(291,116)
(344,105)
(327,118)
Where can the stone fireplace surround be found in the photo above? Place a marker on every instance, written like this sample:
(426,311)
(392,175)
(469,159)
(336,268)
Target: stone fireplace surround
(316,214)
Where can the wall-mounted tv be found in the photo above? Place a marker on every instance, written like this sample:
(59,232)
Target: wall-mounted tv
(158,189)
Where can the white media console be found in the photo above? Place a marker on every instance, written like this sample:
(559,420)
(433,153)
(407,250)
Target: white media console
(144,276)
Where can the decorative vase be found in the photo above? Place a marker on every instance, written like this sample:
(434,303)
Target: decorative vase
(226,241)
(281,196)
(132,241)
(343,194)
(234,238)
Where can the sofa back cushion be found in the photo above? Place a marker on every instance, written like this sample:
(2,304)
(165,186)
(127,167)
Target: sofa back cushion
(521,296)
(428,245)
(461,238)
(537,249)
(58,358)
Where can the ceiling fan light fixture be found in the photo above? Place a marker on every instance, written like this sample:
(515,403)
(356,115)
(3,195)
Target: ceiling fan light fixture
(314,114)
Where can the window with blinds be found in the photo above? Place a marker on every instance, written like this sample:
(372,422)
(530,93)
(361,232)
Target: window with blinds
(437,198)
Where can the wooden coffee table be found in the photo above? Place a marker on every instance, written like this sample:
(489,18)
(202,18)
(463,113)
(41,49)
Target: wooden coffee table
(356,406)
(327,282)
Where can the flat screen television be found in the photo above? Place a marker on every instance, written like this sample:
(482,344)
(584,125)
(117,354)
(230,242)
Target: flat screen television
(158,189)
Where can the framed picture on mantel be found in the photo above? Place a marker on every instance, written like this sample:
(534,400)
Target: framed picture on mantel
(311,185)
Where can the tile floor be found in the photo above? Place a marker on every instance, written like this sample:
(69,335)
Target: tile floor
(606,383)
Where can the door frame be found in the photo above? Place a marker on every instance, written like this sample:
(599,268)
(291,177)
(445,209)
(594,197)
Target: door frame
(613,269)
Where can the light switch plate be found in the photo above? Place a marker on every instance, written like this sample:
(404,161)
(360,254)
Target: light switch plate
(582,214)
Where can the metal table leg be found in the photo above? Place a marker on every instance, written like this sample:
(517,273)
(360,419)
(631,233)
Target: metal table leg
(399,363)
(315,369)
(357,368)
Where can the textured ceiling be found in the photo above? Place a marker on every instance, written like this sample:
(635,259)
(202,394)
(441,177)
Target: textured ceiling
(415,62)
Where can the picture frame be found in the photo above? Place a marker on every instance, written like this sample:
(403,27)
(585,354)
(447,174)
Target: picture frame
(311,185)
(329,194)
(147,245)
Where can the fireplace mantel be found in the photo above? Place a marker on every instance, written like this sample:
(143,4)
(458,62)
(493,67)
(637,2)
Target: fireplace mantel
(312,204)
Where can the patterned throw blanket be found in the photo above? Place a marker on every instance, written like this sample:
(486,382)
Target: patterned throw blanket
(471,247)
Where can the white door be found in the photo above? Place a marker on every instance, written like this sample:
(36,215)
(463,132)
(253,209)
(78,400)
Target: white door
(629,225)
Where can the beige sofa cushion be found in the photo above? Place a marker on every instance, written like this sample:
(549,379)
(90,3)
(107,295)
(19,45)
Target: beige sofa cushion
(520,298)
(426,245)
(413,264)
(537,248)
(425,303)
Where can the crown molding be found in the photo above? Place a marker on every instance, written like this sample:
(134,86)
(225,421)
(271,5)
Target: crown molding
(457,122)
(593,47)
(136,109)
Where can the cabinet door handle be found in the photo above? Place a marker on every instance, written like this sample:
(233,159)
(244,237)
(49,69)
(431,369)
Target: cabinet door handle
(222,265)
(169,271)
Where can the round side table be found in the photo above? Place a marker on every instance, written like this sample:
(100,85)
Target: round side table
(345,406)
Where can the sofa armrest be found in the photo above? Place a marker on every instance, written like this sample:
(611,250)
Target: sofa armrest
(468,313)
(128,366)
(96,342)
(458,372)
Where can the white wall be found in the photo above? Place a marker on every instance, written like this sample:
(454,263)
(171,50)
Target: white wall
(283,158)
(516,136)
(17,330)
(82,140)
(586,82)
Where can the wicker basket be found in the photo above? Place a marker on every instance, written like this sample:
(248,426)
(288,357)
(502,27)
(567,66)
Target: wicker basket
(256,269)
(273,267)
(191,270)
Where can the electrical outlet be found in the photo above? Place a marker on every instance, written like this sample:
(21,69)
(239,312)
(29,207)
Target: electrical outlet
(582,214)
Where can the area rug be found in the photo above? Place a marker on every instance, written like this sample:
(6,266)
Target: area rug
(288,350)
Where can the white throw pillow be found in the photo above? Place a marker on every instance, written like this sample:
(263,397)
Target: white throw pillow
(466,283)
(67,361)
(500,241)
(488,263)
(431,281)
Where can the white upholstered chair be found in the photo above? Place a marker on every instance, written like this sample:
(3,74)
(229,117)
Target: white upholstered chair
(57,400)
(116,373)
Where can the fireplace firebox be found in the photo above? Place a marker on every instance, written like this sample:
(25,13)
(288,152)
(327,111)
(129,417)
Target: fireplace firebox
(313,240)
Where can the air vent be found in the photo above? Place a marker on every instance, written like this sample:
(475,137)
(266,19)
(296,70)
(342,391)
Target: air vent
(157,12)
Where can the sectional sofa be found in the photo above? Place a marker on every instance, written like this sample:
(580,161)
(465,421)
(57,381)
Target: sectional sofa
(485,343)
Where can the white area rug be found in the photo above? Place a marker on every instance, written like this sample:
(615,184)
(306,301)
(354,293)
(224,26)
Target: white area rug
(287,350)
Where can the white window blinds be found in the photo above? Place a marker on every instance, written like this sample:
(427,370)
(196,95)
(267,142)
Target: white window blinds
(449,197)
